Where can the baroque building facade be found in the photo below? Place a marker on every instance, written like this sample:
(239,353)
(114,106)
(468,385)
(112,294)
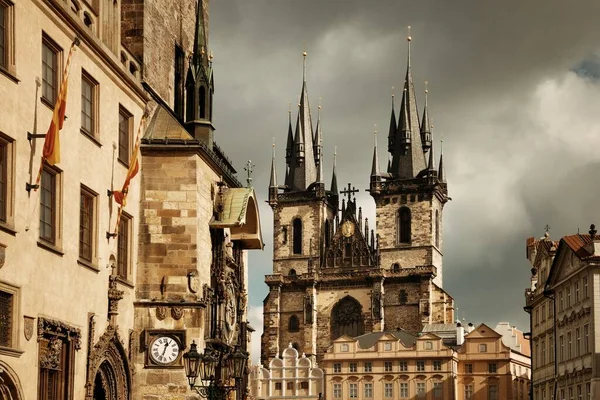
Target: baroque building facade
(563,306)
(332,274)
(89,307)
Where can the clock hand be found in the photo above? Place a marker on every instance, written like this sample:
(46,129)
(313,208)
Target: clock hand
(166,346)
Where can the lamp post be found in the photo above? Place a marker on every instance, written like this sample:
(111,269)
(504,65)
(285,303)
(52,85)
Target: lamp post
(215,368)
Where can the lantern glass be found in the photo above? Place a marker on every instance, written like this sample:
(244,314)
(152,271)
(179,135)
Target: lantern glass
(209,362)
(192,360)
(240,358)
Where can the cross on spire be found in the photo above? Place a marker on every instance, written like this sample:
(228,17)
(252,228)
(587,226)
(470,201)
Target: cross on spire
(249,168)
(350,191)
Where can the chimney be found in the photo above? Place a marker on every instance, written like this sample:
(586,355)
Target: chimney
(460,334)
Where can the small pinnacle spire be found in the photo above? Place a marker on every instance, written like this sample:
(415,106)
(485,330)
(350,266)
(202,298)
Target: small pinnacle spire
(290,138)
(273,180)
(431,163)
(334,187)
(318,145)
(441,172)
(393,127)
(426,137)
(375,166)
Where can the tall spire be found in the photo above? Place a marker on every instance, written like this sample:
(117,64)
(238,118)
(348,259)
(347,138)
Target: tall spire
(375,167)
(441,172)
(273,180)
(290,137)
(200,52)
(393,127)
(425,125)
(318,146)
(408,157)
(303,167)
(334,187)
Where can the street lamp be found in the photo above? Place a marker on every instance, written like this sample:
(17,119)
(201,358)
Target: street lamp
(230,362)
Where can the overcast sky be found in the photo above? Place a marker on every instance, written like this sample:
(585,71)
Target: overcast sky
(513,88)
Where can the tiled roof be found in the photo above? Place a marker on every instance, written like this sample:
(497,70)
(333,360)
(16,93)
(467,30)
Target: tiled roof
(577,243)
(439,328)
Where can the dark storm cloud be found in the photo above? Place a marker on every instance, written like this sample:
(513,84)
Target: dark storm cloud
(518,126)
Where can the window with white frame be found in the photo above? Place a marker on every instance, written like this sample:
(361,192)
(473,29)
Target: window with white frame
(387,366)
(420,366)
(352,367)
(468,392)
(388,390)
(437,390)
(483,348)
(421,390)
(353,390)
(337,367)
(437,365)
(337,390)
(403,366)
(404,390)
(368,390)
(368,367)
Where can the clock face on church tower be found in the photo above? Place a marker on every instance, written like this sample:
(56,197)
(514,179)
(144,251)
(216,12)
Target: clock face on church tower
(347,229)
(164,350)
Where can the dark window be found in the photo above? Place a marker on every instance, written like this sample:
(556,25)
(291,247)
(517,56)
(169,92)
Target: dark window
(88,104)
(347,318)
(190,104)
(297,226)
(303,385)
(290,385)
(50,72)
(48,205)
(492,368)
(179,61)
(405,225)
(327,234)
(403,296)
(123,246)
(86,225)
(294,324)
(202,102)
(4,166)
(124,135)
(6,319)
(277,385)
(396,267)
(3,34)
(437,228)
(292,272)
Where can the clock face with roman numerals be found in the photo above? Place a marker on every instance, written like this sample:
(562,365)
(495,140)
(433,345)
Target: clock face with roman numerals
(164,350)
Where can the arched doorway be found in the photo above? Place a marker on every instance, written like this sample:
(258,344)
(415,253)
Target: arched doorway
(347,318)
(105,383)
(10,387)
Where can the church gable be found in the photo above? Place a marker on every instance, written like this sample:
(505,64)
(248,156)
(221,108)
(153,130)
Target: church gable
(349,246)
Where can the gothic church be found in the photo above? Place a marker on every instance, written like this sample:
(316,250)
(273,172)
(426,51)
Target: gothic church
(332,274)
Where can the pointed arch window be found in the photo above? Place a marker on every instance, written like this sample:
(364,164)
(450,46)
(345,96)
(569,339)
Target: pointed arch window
(202,102)
(297,235)
(294,324)
(347,318)
(190,105)
(437,228)
(292,272)
(327,234)
(404,225)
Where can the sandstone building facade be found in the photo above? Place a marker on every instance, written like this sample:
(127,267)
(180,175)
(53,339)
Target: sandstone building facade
(332,274)
(565,323)
(83,302)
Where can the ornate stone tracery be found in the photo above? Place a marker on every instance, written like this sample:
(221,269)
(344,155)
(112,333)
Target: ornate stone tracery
(109,372)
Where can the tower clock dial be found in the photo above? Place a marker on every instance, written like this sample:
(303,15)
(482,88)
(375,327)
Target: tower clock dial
(164,350)
(347,229)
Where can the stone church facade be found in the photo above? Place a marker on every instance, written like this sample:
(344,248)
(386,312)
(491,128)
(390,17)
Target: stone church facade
(332,274)
(84,300)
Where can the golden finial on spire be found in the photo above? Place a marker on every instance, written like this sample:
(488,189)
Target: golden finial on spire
(304,63)
(211,56)
(426,90)
(408,37)
(320,98)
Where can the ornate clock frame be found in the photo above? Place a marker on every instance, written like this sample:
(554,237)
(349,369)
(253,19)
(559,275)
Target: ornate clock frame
(176,334)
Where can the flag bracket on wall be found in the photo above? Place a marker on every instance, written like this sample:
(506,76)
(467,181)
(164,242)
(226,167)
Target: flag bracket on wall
(29,186)
(111,235)
(31,136)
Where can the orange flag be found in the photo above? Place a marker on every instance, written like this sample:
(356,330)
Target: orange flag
(51,150)
(134,167)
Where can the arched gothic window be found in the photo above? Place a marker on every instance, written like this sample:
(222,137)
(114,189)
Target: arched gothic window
(292,272)
(294,324)
(396,267)
(404,225)
(437,228)
(297,233)
(403,297)
(190,105)
(202,102)
(347,318)
(327,234)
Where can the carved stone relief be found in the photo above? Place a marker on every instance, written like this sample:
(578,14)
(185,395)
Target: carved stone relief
(161,312)
(177,312)
(28,324)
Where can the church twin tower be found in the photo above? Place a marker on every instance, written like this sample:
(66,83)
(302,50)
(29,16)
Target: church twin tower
(332,275)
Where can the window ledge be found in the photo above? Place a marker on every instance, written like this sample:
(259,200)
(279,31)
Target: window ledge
(47,103)
(50,247)
(123,163)
(7,228)
(125,282)
(9,75)
(9,351)
(91,137)
(88,265)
